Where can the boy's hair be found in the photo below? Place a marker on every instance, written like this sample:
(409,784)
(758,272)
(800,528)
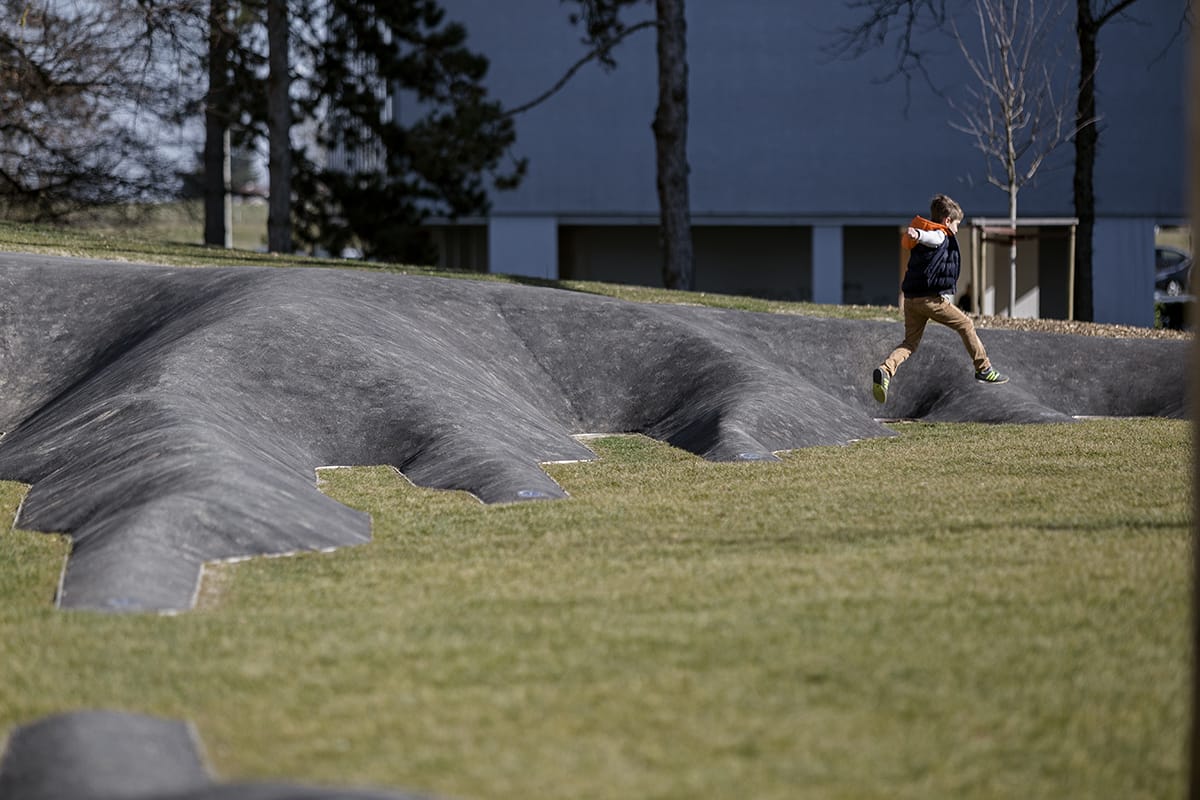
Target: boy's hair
(942,207)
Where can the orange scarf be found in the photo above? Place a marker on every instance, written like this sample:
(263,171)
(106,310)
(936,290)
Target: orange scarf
(922,224)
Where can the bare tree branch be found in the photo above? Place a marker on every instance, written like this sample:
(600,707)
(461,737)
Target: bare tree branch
(1113,10)
(601,52)
(1016,114)
(83,96)
(907,22)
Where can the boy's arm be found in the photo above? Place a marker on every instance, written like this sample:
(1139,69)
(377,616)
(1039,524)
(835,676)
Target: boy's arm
(927,238)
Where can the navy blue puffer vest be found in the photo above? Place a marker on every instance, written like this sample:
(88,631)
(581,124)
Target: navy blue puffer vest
(932,270)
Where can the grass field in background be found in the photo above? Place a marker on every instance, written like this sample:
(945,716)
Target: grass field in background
(172,237)
(181,222)
(958,611)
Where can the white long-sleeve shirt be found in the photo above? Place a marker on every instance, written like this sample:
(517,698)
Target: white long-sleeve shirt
(931,238)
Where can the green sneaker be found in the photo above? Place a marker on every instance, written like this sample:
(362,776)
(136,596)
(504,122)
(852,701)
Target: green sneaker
(991,375)
(879,379)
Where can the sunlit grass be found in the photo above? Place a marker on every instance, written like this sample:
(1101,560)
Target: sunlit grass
(174,239)
(959,611)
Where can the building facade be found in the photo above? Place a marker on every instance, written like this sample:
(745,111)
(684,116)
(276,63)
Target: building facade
(806,163)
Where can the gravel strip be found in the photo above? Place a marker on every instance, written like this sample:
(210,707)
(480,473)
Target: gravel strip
(1079,328)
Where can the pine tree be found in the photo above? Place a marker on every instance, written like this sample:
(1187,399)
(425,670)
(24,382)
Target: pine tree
(395,88)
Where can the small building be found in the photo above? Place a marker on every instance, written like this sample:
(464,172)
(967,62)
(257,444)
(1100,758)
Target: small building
(1040,282)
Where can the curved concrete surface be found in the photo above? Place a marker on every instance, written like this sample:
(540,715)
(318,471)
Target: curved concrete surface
(111,755)
(170,416)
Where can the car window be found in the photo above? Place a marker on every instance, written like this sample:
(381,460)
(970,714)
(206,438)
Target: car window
(1168,258)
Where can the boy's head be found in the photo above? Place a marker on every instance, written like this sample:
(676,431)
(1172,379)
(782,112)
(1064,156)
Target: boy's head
(944,210)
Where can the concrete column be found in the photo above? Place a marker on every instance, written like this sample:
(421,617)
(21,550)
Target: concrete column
(1123,271)
(526,246)
(827,264)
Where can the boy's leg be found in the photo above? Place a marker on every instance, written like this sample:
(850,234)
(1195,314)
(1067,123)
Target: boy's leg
(915,317)
(953,317)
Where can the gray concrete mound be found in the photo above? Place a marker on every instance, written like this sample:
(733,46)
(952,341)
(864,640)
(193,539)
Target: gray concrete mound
(166,417)
(111,755)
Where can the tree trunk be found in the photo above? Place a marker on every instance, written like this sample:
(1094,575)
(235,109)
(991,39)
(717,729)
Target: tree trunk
(279,124)
(1012,250)
(670,138)
(217,210)
(1194,140)
(1085,158)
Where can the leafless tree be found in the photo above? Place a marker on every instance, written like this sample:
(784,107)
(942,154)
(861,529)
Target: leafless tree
(1020,109)
(217,112)
(84,100)
(279,124)
(908,22)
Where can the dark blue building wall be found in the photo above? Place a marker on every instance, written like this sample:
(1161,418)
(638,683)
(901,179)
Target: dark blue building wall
(783,131)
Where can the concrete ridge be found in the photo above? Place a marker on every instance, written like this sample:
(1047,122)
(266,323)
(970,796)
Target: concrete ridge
(167,417)
(102,754)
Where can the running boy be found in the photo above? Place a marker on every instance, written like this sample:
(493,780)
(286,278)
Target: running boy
(929,284)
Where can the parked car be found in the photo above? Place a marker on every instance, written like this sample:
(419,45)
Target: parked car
(1172,271)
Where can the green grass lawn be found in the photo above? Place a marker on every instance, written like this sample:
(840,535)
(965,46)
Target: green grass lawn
(960,611)
(173,236)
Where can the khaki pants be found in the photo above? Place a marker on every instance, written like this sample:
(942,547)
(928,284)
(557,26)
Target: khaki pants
(918,311)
